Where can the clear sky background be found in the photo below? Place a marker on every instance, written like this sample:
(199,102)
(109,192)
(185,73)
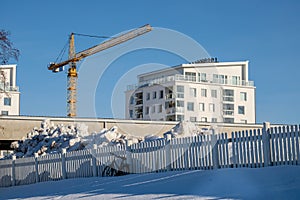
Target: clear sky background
(267,33)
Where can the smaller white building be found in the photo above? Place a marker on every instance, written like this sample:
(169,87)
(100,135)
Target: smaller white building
(9,91)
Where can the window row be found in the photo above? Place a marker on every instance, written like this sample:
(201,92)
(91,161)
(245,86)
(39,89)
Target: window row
(203,119)
(228,109)
(154,95)
(191,106)
(153,109)
(193,92)
(217,78)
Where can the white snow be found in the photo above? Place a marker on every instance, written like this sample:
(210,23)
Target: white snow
(281,182)
(50,138)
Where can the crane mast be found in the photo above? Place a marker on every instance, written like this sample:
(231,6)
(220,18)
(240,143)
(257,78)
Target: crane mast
(75,57)
(72,81)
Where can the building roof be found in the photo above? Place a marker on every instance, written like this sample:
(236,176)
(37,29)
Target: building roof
(198,65)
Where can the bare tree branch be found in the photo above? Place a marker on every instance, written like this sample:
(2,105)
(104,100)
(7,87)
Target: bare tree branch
(7,50)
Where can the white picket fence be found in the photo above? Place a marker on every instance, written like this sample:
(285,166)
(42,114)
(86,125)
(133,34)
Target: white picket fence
(253,148)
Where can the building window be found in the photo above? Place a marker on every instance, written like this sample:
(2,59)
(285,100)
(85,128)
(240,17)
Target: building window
(235,80)
(203,119)
(180,103)
(180,91)
(7,101)
(131,113)
(215,78)
(214,120)
(153,109)
(160,108)
(161,94)
(193,119)
(147,110)
(243,96)
(204,92)
(190,76)
(154,95)
(221,79)
(180,88)
(214,93)
(201,107)
(202,77)
(228,95)
(228,120)
(228,109)
(180,117)
(212,107)
(241,110)
(190,106)
(193,92)
(244,121)
(147,96)
(131,100)
(4,112)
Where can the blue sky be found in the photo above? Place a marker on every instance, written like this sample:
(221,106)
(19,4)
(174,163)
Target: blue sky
(267,33)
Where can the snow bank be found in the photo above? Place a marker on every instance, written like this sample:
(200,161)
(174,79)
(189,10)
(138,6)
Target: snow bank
(50,138)
(186,129)
(280,182)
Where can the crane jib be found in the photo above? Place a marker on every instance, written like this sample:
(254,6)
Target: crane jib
(100,47)
(73,58)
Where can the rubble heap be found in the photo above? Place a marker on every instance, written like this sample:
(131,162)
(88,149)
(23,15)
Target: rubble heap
(50,138)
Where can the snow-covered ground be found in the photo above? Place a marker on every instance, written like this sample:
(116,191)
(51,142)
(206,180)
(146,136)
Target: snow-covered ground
(281,182)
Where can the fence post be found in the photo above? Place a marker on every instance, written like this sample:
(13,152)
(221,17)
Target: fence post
(128,156)
(215,153)
(13,170)
(63,163)
(36,155)
(266,143)
(94,161)
(168,151)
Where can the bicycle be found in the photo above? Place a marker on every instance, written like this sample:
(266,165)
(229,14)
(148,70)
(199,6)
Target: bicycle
(114,169)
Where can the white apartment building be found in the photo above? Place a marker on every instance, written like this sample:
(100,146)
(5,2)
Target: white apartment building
(9,92)
(205,91)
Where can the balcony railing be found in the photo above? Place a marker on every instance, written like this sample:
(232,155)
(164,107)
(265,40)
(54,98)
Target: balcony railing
(8,89)
(179,77)
(170,111)
(228,112)
(228,98)
(170,96)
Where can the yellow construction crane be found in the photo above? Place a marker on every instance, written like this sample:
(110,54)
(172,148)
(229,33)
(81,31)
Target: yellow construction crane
(75,57)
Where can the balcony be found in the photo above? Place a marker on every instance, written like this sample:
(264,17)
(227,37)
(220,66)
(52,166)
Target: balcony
(180,109)
(170,96)
(8,88)
(228,112)
(228,98)
(179,77)
(170,111)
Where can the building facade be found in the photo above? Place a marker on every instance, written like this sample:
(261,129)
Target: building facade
(9,91)
(205,91)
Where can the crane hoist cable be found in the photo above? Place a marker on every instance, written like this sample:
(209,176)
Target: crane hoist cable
(63,51)
(76,57)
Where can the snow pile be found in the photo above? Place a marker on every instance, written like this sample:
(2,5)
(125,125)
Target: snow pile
(109,137)
(50,138)
(185,129)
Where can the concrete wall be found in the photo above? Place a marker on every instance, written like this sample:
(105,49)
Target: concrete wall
(16,127)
